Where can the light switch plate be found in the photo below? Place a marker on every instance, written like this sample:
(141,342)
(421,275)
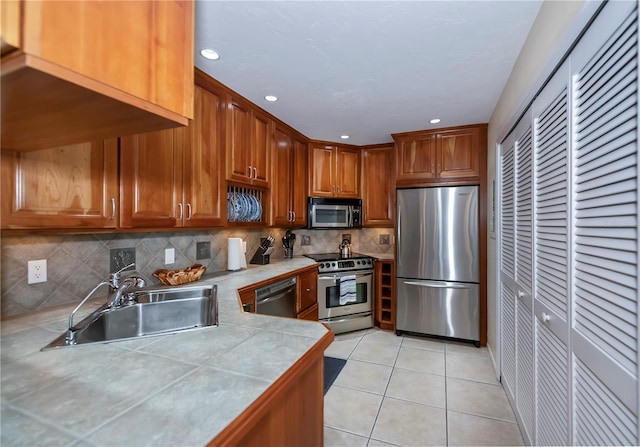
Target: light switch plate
(169,256)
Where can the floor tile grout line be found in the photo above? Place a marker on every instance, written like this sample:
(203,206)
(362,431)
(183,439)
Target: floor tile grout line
(384,395)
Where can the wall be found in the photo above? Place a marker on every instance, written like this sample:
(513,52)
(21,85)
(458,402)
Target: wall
(77,263)
(549,32)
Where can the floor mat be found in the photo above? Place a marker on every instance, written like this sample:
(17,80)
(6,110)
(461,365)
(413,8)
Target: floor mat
(332,367)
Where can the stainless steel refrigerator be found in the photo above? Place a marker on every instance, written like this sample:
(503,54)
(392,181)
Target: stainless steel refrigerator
(437,263)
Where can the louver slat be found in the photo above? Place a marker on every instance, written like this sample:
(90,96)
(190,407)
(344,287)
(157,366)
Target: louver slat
(552,389)
(606,201)
(600,418)
(524,234)
(551,205)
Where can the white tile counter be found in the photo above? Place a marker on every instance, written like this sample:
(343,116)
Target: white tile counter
(175,389)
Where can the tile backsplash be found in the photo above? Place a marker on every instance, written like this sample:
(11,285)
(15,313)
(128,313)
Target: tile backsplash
(77,263)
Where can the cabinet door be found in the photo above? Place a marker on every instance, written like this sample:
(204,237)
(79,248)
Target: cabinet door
(10,25)
(347,172)
(323,182)
(307,290)
(203,183)
(299,183)
(151,180)
(458,154)
(378,187)
(261,138)
(416,158)
(238,151)
(281,185)
(63,187)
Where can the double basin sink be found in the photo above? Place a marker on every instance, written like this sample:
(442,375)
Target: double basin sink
(153,311)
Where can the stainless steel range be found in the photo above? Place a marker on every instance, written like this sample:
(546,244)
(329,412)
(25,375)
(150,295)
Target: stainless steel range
(345,291)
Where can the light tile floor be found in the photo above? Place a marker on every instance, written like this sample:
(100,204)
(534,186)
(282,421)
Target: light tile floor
(415,391)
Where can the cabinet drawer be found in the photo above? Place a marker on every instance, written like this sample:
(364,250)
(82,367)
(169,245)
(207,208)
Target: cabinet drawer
(310,314)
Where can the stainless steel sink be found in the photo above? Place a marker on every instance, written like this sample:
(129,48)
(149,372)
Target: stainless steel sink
(154,310)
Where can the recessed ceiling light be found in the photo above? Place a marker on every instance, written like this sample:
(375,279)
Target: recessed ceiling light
(208,53)
(435,121)
(344,137)
(271,98)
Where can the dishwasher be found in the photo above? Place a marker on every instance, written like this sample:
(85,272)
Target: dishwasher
(277,299)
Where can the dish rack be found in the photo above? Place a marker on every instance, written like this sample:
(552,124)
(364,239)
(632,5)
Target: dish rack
(181,276)
(244,205)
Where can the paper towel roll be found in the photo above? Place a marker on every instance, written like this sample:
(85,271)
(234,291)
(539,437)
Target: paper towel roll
(236,259)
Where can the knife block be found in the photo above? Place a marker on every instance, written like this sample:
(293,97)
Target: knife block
(262,255)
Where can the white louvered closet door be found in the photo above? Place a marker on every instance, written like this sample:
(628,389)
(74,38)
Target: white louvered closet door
(507,267)
(551,257)
(525,399)
(604,320)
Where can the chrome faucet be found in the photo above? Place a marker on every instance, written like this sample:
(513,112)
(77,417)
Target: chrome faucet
(116,286)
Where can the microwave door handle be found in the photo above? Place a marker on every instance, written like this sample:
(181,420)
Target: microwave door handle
(350,211)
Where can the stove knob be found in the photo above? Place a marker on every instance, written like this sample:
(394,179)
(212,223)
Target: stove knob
(321,265)
(333,264)
(368,261)
(358,262)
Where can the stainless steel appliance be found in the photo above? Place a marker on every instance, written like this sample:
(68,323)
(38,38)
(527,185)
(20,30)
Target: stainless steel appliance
(326,212)
(277,299)
(345,291)
(437,263)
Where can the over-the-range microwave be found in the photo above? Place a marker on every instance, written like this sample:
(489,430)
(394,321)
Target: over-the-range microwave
(324,212)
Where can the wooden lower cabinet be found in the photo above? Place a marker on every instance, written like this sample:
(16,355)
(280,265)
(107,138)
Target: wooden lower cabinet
(290,412)
(307,290)
(310,314)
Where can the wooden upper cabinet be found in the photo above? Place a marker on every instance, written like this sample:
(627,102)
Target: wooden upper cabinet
(459,154)
(378,187)
(416,157)
(289,173)
(299,192)
(73,186)
(323,183)
(204,192)
(86,70)
(441,155)
(175,177)
(335,171)
(248,147)
(151,180)
(282,165)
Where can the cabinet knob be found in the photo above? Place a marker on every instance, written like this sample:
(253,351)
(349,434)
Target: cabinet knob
(520,293)
(545,317)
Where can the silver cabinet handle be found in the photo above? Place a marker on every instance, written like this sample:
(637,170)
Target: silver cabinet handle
(113,208)
(250,171)
(180,215)
(188,211)
(294,216)
(255,173)
(437,285)
(290,216)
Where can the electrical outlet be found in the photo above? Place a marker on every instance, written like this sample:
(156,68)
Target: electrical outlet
(347,236)
(37,271)
(384,239)
(169,256)
(306,239)
(120,258)
(203,250)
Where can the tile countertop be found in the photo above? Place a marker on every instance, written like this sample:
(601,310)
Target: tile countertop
(175,389)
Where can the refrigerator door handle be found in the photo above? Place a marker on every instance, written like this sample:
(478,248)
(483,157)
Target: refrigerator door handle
(398,239)
(438,285)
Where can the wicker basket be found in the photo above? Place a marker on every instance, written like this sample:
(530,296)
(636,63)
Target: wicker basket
(182,276)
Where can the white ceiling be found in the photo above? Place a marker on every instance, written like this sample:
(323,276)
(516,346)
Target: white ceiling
(365,68)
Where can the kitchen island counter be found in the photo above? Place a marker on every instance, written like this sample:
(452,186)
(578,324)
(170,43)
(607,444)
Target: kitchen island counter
(186,388)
